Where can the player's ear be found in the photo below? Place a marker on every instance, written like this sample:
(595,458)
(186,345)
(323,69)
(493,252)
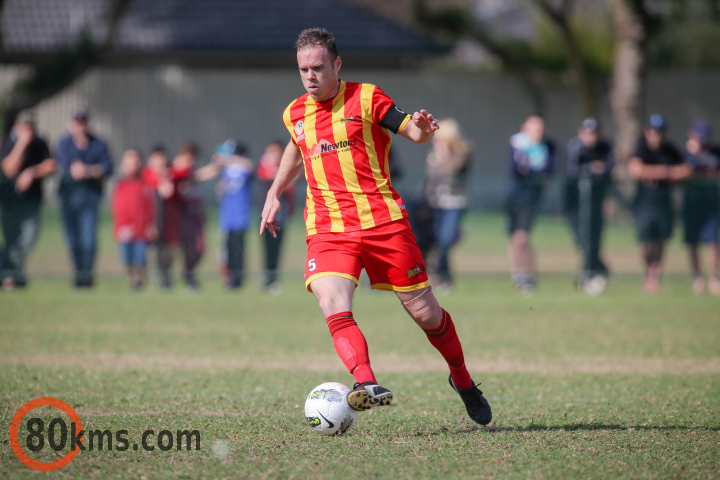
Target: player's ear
(338,63)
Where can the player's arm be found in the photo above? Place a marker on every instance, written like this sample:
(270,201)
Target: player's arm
(290,165)
(679,172)
(641,171)
(420,128)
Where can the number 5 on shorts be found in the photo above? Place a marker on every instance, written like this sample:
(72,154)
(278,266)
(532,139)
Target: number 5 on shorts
(311,265)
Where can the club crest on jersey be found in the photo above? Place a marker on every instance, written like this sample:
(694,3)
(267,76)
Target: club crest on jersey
(351,118)
(299,127)
(415,271)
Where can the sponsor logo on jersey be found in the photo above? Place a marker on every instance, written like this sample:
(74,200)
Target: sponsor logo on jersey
(415,271)
(299,127)
(324,146)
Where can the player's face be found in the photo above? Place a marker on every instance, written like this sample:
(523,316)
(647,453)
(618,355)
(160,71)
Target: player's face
(130,163)
(588,137)
(534,127)
(653,138)
(319,72)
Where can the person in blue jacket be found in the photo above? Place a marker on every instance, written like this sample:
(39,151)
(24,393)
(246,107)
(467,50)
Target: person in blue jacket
(85,163)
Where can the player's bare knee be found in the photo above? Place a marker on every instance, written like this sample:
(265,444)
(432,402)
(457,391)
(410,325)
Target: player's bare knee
(423,308)
(331,306)
(520,238)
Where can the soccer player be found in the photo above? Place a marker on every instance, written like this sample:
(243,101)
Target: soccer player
(354,218)
(656,165)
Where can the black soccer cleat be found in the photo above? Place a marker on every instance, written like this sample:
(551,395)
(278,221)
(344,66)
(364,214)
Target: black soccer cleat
(367,395)
(476,405)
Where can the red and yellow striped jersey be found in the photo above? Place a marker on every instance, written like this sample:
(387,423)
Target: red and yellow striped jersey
(345,153)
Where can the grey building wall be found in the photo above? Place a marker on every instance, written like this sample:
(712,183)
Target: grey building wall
(144,106)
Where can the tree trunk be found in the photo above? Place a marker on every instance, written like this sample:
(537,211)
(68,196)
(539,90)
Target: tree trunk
(627,77)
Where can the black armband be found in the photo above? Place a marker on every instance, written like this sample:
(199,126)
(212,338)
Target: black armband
(394,119)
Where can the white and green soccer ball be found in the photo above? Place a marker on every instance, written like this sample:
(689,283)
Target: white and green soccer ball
(327,410)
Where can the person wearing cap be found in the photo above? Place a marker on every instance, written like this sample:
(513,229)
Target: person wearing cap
(234,191)
(85,163)
(589,163)
(701,203)
(25,161)
(657,165)
(531,162)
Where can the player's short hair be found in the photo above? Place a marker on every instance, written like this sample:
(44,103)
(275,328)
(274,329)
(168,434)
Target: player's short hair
(312,37)
(188,147)
(158,148)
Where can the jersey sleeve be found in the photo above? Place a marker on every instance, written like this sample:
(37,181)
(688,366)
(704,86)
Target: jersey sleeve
(386,113)
(287,121)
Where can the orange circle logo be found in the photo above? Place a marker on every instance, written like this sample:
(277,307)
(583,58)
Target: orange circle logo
(15,427)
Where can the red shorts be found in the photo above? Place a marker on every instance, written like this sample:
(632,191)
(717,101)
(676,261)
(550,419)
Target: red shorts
(389,254)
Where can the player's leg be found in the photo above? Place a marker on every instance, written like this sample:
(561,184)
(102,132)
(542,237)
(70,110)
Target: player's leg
(698,281)
(709,237)
(334,296)
(331,273)
(521,217)
(393,262)
(438,325)
(714,255)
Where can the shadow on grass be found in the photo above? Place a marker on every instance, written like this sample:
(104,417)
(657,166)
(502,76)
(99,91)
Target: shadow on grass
(536,427)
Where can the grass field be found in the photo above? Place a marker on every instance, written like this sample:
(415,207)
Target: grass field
(620,386)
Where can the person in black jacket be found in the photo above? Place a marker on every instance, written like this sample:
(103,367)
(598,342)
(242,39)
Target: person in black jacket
(701,205)
(25,160)
(656,165)
(589,163)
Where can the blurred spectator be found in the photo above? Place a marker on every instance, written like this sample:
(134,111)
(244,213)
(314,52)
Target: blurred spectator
(532,162)
(267,170)
(183,217)
(155,174)
(233,189)
(85,162)
(656,165)
(25,161)
(133,215)
(447,167)
(701,203)
(589,163)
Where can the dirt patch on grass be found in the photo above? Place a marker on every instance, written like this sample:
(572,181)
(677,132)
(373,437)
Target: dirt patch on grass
(383,363)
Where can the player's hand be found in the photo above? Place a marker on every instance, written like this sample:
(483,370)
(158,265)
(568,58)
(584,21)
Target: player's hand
(270,210)
(25,179)
(693,146)
(165,188)
(78,170)
(25,134)
(425,121)
(152,233)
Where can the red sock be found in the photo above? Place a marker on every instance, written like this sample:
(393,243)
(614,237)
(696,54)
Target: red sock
(351,346)
(445,339)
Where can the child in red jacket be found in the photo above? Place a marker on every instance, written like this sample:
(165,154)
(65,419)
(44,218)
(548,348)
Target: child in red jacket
(134,219)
